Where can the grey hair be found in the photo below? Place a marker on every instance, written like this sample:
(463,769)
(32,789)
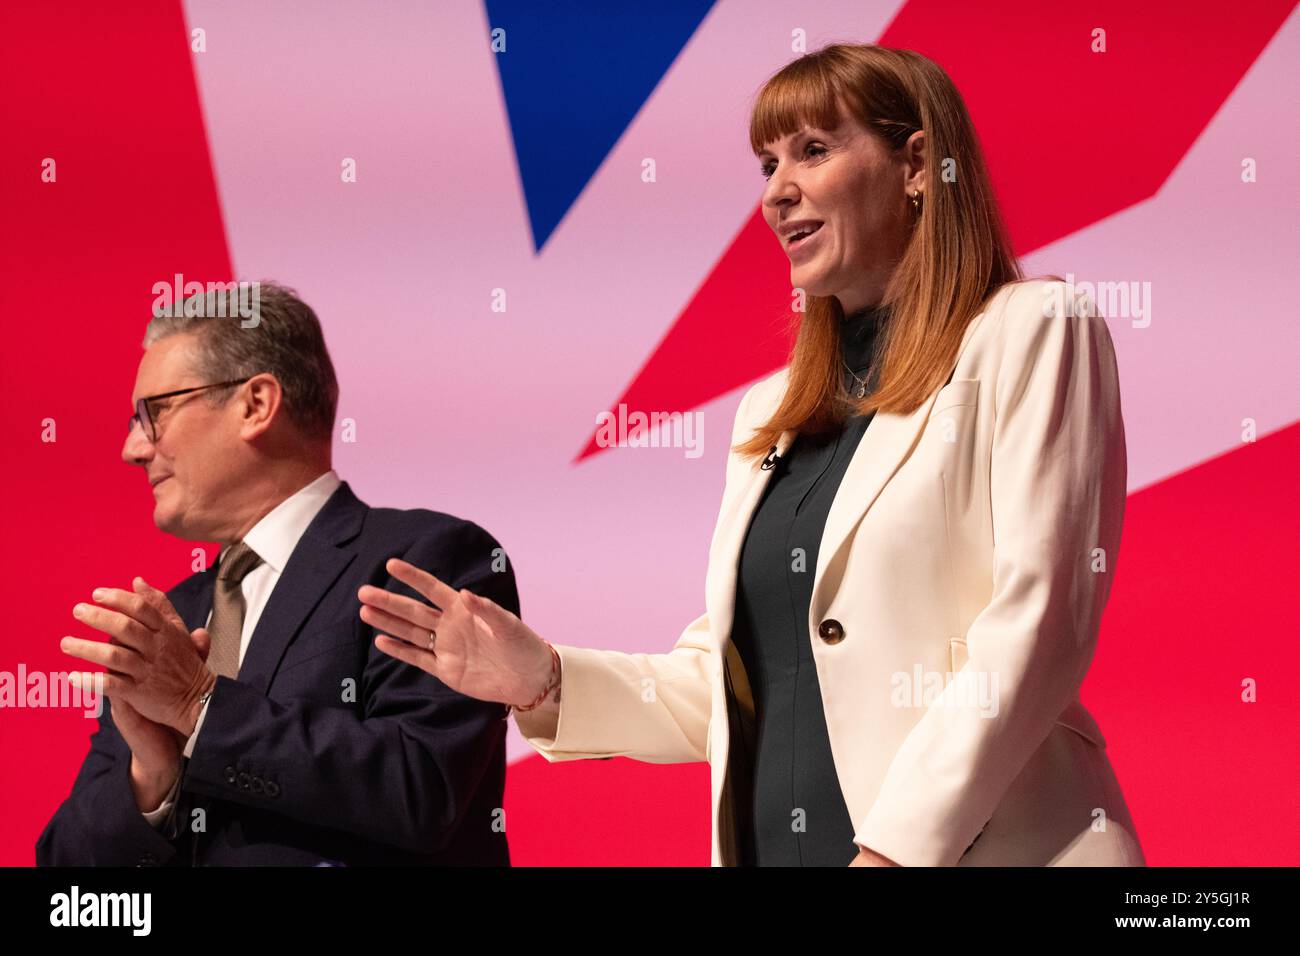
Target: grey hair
(280,335)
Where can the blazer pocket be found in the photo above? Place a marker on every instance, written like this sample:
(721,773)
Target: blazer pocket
(960,391)
(1073,717)
(957,654)
(1076,718)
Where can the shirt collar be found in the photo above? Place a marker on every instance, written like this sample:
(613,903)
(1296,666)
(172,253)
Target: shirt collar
(277,534)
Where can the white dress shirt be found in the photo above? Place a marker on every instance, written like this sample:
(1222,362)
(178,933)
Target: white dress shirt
(273,539)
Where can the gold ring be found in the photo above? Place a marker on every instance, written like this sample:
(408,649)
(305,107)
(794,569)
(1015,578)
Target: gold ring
(433,635)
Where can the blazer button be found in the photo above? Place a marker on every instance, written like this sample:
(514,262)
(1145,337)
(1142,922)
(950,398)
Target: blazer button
(245,781)
(831,631)
(229,774)
(272,789)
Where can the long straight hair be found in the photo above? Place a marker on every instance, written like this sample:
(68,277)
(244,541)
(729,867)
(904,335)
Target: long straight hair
(958,254)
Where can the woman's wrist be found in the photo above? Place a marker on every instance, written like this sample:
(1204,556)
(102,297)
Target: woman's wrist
(550,684)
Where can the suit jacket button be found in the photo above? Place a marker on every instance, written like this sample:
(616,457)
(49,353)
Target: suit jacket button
(831,631)
(244,780)
(229,774)
(257,784)
(272,788)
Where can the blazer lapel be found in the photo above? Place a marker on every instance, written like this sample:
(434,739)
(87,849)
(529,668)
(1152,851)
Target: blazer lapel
(316,563)
(886,444)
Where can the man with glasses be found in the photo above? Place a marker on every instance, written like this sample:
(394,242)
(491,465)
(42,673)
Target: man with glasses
(252,719)
(145,418)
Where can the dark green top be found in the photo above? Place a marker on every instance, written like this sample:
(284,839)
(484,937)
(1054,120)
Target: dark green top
(792,765)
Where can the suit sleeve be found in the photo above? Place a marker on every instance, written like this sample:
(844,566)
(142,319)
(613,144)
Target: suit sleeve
(651,707)
(410,758)
(99,823)
(1058,476)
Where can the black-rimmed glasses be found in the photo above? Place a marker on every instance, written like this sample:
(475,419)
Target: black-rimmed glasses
(144,415)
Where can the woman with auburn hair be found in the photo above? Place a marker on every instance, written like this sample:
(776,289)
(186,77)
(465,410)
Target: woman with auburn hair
(917,536)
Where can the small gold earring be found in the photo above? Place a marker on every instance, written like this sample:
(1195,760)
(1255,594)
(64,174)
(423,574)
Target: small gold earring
(916,200)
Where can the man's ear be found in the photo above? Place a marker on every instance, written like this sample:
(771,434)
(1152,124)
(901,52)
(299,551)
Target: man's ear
(261,399)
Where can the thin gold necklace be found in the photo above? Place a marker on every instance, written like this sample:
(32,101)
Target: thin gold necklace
(861,391)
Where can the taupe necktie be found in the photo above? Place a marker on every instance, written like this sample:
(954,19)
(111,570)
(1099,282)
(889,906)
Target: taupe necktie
(227,621)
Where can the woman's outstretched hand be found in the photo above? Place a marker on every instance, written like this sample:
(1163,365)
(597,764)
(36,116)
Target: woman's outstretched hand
(480,649)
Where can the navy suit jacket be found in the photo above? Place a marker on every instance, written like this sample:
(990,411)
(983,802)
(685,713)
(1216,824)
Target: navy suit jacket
(325,750)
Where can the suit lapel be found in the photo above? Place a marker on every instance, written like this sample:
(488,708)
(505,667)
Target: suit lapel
(194,611)
(316,563)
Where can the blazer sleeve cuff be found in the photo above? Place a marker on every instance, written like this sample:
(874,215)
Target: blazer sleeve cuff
(651,707)
(578,733)
(900,840)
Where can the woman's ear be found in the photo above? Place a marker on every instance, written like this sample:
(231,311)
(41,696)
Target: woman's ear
(914,157)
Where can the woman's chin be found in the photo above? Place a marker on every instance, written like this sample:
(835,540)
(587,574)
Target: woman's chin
(812,281)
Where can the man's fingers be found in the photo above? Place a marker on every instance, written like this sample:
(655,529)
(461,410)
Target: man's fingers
(133,605)
(421,581)
(157,600)
(202,641)
(108,685)
(122,629)
(408,654)
(130,606)
(115,657)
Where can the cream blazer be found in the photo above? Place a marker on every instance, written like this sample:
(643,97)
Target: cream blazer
(960,582)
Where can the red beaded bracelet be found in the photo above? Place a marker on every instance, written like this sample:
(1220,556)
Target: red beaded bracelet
(551,685)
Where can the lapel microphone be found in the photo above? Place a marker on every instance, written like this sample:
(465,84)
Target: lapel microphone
(770,461)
